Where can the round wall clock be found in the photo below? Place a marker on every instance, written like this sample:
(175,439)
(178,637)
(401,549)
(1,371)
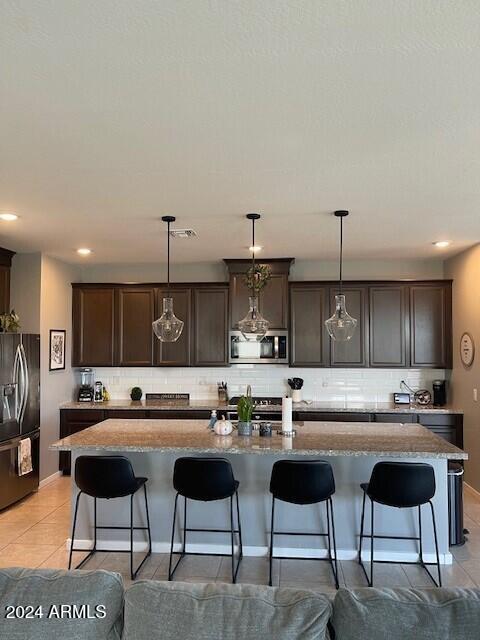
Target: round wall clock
(467,349)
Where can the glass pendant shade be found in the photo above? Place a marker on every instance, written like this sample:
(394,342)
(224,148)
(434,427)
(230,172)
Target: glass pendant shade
(253,326)
(341,326)
(168,328)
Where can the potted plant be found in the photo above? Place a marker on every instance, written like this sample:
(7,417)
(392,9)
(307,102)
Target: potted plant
(245,408)
(9,322)
(257,278)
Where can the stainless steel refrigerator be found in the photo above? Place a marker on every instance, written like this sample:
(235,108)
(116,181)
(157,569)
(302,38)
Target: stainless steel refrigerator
(20,413)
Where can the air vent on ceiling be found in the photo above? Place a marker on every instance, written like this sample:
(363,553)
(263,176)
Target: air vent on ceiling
(183,233)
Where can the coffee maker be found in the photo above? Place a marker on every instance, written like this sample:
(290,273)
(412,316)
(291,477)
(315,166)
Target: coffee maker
(439,393)
(86,390)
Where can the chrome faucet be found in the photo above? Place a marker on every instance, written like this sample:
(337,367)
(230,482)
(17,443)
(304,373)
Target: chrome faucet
(249,391)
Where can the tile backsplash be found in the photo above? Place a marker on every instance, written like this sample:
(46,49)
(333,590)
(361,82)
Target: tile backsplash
(350,385)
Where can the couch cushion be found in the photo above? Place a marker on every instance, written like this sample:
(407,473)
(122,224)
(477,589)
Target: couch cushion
(170,611)
(45,590)
(398,614)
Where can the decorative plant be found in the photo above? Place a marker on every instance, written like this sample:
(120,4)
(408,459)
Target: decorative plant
(257,277)
(10,322)
(245,408)
(136,394)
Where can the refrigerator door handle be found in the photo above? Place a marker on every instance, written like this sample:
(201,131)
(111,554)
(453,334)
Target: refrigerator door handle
(16,381)
(26,382)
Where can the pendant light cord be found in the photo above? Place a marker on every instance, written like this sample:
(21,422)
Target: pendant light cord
(253,255)
(168,258)
(341,255)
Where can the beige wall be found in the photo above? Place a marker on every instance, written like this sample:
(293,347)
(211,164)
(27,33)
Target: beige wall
(25,290)
(301,270)
(464,269)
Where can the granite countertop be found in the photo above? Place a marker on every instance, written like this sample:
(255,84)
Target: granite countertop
(313,438)
(335,407)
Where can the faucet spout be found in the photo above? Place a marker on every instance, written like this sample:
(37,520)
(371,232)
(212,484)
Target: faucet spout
(249,391)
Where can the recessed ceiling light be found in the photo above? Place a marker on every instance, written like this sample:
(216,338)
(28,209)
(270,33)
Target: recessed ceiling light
(255,249)
(441,244)
(8,216)
(83,251)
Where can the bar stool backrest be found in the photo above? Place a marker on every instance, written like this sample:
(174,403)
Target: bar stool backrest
(402,484)
(302,482)
(105,476)
(204,478)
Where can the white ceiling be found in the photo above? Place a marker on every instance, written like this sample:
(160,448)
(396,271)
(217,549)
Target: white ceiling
(114,112)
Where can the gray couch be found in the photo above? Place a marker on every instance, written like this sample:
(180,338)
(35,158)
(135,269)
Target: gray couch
(93,605)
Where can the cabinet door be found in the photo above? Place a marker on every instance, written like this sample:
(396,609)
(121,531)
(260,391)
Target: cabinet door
(239,295)
(274,301)
(175,354)
(4,289)
(354,352)
(309,338)
(93,327)
(430,325)
(135,307)
(388,314)
(210,323)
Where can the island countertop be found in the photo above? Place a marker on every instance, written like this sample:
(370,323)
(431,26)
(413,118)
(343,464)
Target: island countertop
(313,438)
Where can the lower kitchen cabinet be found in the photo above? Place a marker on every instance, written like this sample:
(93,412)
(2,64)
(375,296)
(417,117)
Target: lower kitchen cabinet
(179,414)
(73,421)
(324,416)
(447,426)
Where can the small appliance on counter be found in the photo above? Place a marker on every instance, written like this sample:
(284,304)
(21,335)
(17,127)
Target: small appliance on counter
(439,393)
(86,390)
(98,391)
(421,397)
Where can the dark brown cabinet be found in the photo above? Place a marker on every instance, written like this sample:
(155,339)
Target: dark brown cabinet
(354,352)
(73,421)
(135,309)
(175,354)
(5,268)
(309,340)
(388,326)
(210,327)
(430,325)
(273,299)
(93,326)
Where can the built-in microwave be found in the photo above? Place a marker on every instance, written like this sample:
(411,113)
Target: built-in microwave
(272,349)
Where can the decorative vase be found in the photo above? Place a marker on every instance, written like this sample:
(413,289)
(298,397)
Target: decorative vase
(244,428)
(296,395)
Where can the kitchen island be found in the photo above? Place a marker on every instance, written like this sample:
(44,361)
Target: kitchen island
(351,448)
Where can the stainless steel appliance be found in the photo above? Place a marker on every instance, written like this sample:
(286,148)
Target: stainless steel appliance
(20,413)
(439,393)
(272,349)
(266,408)
(87,382)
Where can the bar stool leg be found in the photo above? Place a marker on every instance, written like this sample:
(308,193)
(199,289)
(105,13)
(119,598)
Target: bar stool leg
(170,573)
(372,533)
(132,575)
(271,542)
(335,571)
(232,541)
(362,523)
(148,521)
(94,524)
(239,526)
(73,530)
(436,543)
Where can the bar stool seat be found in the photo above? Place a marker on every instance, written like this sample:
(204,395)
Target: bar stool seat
(109,477)
(400,485)
(205,480)
(304,483)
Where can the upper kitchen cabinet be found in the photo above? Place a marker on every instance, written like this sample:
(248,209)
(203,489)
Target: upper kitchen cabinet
(309,341)
(389,325)
(273,299)
(431,324)
(210,326)
(5,268)
(175,354)
(354,352)
(134,316)
(93,325)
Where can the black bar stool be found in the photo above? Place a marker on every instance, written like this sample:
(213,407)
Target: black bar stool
(401,485)
(205,479)
(304,482)
(108,477)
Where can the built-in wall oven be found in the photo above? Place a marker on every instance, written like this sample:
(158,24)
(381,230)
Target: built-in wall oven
(272,349)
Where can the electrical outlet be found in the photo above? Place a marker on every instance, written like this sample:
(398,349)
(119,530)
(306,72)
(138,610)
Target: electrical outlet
(475,395)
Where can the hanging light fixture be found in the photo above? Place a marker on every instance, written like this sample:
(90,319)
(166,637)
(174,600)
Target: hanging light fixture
(168,328)
(341,326)
(253,326)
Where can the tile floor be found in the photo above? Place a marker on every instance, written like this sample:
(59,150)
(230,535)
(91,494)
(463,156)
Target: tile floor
(33,534)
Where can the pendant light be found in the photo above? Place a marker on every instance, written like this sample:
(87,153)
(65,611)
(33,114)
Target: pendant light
(253,326)
(168,328)
(341,326)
